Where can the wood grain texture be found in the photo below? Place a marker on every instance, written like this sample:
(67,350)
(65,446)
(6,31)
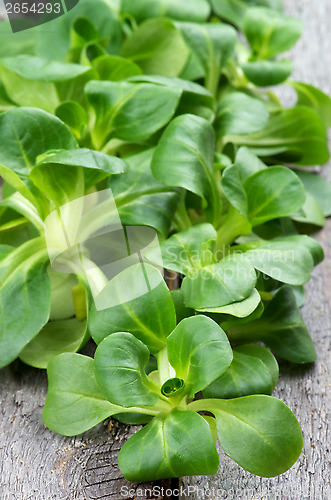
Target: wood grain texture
(36,464)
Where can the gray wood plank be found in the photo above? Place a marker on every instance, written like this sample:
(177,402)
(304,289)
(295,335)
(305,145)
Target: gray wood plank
(39,465)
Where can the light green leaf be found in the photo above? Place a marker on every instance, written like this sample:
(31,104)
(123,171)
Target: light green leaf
(318,187)
(189,249)
(230,280)
(115,68)
(25,305)
(128,111)
(73,115)
(311,212)
(269,32)
(140,198)
(166,56)
(248,163)
(199,351)
(315,99)
(195,11)
(298,135)
(240,309)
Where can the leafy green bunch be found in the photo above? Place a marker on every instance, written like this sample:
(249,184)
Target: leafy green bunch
(165,105)
(259,432)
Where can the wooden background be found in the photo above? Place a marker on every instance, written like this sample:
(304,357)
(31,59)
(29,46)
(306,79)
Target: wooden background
(39,465)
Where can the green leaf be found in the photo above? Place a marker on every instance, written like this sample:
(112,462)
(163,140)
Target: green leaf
(181,310)
(240,309)
(26,133)
(311,212)
(318,187)
(284,261)
(128,111)
(120,362)
(150,317)
(195,98)
(101,15)
(281,328)
(267,73)
(140,198)
(189,249)
(311,244)
(97,166)
(55,338)
(269,32)
(12,44)
(62,305)
(272,193)
(31,81)
(233,189)
(196,11)
(239,114)
(155,452)
(230,280)
(184,157)
(115,68)
(230,10)
(211,45)
(260,433)
(199,351)
(248,374)
(166,56)
(74,401)
(248,163)
(298,134)
(25,305)
(73,115)
(315,99)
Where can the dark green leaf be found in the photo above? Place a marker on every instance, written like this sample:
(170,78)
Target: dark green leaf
(260,433)
(120,362)
(73,115)
(315,99)
(74,402)
(266,73)
(239,113)
(199,351)
(155,452)
(26,133)
(281,328)
(184,157)
(248,374)
(150,316)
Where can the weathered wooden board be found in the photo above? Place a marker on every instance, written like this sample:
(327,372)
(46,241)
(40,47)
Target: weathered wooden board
(39,465)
